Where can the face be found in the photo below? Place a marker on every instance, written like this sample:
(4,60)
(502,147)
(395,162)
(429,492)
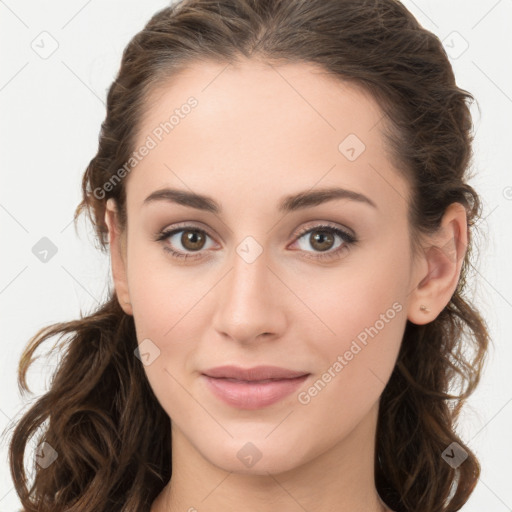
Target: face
(320,287)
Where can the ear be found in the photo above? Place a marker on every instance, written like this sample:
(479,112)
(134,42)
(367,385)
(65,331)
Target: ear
(117,242)
(438,269)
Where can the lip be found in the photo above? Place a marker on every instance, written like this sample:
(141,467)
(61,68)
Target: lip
(252,374)
(252,388)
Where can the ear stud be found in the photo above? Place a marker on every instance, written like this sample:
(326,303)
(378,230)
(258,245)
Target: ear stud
(424,308)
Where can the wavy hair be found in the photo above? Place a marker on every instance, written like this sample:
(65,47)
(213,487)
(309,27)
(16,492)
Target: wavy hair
(100,415)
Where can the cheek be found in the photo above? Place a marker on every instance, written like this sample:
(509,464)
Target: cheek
(167,310)
(368,338)
(162,293)
(367,319)
(164,322)
(166,307)
(358,363)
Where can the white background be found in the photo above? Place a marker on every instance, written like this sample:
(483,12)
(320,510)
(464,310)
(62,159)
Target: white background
(52,110)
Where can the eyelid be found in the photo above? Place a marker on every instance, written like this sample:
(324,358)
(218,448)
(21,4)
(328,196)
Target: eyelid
(317,224)
(180,226)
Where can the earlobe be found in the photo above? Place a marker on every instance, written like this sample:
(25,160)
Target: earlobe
(443,259)
(117,257)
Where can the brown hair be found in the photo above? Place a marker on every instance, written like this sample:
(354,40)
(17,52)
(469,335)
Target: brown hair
(100,414)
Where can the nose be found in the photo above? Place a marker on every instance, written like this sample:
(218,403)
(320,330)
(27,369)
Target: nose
(252,301)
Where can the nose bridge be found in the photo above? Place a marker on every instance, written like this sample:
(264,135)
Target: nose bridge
(249,302)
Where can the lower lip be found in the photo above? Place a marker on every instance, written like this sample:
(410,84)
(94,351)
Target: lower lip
(252,395)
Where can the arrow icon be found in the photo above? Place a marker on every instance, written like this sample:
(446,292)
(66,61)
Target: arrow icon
(45,455)
(147,352)
(41,454)
(351,147)
(454,455)
(44,250)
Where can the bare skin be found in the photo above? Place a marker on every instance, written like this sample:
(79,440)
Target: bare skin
(258,134)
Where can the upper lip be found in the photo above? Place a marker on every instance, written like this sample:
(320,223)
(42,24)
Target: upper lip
(255,373)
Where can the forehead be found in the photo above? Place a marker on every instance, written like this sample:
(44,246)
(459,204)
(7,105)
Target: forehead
(257,129)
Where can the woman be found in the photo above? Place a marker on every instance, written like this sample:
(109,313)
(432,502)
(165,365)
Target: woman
(282,187)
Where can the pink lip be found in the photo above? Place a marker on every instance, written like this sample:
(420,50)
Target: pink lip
(253,374)
(253,394)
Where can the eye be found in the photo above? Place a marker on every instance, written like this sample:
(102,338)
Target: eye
(322,238)
(192,239)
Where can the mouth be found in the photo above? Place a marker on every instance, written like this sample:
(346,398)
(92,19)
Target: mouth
(252,394)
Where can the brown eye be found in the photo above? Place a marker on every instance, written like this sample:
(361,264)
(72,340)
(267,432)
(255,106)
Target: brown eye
(183,242)
(192,240)
(321,240)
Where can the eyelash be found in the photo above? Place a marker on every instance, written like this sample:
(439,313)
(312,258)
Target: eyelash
(348,240)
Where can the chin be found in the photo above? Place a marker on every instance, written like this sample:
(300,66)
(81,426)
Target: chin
(247,458)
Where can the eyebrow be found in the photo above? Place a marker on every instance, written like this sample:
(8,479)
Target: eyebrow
(290,203)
